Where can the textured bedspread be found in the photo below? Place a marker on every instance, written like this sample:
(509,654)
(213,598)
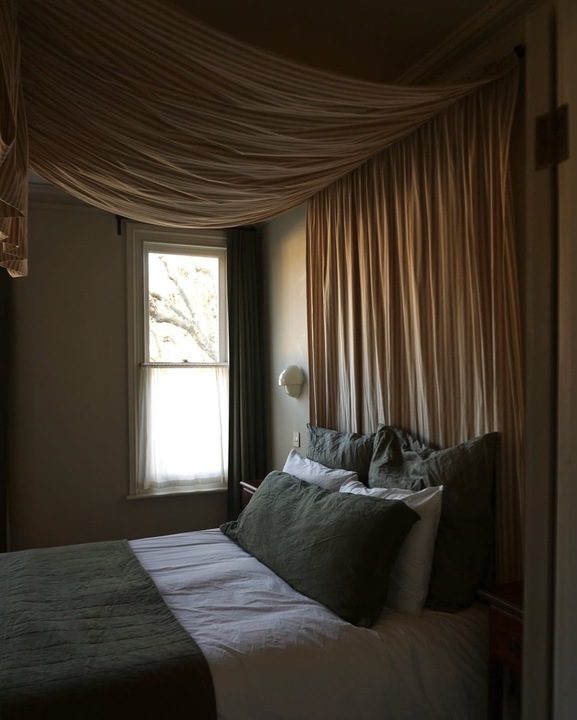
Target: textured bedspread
(84,634)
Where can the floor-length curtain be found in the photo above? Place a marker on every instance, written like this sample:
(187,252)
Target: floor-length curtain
(413,296)
(247,426)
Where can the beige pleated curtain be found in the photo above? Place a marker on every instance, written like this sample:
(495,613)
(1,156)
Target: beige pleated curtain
(413,297)
(13,149)
(138,108)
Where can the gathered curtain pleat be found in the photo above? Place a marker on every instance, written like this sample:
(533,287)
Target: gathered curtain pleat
(13,149)
(247,455)
(140,109)
(413,296)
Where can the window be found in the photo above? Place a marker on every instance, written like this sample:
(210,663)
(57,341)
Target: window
(178,360)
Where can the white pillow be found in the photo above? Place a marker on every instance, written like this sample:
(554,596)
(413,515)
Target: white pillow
(409,579)
(315,473)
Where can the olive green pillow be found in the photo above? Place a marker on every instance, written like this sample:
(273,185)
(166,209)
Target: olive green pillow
(336,548)
(341,450)
(464,544)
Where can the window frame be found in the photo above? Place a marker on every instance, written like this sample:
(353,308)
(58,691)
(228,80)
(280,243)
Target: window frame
(141,239)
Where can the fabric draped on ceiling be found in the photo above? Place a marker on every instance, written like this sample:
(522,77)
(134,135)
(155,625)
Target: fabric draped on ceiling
(139,109)
(413,297)
(13,149)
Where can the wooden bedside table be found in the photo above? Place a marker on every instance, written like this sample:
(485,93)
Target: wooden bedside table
(248,489)
(505,640)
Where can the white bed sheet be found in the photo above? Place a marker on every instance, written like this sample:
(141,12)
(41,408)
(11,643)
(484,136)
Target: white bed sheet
(276,655)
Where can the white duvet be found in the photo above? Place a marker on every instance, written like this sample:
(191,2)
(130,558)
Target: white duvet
(276,655)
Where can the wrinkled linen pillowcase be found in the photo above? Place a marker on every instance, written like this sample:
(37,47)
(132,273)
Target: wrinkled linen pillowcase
(314,472)
(342,450)
(410,575)
(464,546)
(335,548)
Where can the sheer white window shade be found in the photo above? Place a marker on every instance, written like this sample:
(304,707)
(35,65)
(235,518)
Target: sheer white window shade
(178,360)
(183,429)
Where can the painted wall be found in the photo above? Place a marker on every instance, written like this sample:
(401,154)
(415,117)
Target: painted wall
(69,476)
(69,469)
(285,263)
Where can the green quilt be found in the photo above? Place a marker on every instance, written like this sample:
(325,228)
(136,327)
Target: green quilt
(85,634)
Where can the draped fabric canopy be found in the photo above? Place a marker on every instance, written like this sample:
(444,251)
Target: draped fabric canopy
(13,149)
(140,109)
(413,297)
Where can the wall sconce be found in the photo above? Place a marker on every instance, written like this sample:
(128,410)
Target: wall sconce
(292,379)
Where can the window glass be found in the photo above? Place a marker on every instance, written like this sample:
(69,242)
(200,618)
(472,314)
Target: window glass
(183,308)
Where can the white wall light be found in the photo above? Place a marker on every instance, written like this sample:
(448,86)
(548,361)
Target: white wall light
(292,379)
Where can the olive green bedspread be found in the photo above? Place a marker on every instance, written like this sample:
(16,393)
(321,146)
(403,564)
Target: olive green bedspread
(84,633)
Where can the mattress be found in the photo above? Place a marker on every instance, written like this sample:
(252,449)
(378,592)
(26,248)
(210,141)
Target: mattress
(275,654)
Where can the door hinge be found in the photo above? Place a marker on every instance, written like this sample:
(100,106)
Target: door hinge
(552,138)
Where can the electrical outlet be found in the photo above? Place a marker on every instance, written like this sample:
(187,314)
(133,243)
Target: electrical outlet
(296,439)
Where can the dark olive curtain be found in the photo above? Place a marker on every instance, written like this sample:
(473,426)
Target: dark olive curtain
(247,427)
(5,313)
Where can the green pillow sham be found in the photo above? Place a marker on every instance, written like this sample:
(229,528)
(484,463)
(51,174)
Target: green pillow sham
(464,544)
(336,548)
(341,450)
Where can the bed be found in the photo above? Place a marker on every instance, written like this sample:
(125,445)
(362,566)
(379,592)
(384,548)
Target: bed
(239,622)
(275,654)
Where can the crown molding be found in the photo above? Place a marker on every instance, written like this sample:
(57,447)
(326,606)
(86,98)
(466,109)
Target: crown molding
(499,20)
(44,193)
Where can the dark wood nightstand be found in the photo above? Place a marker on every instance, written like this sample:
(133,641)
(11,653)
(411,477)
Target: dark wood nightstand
(248,489)
(505,643)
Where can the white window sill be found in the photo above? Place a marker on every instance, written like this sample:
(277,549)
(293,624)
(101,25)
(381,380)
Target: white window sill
(174,491)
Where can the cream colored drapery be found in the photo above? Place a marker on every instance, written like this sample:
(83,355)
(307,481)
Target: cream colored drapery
(136,107)
(413,299)
(13,149)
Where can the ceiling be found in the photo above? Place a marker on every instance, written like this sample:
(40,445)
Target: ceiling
(369,39)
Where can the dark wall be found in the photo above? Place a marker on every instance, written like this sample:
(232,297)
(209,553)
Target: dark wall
(5,317)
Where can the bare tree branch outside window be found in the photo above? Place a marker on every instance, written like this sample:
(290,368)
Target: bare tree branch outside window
(183,308)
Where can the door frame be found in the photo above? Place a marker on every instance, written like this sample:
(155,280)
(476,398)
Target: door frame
(565,625)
